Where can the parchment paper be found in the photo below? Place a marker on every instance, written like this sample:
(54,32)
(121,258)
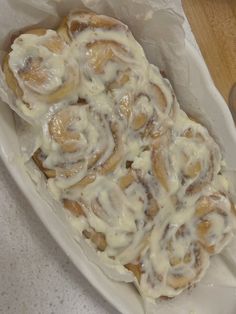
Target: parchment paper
(158,27)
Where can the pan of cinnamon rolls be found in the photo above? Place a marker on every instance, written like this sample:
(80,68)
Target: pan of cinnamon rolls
(141,178)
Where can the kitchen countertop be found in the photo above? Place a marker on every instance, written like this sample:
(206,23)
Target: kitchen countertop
(35,274)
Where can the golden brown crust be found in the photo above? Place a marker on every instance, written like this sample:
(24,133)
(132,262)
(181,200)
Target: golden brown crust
(74,207)
(36,31)
(91,19)
(59,129)
(97,238)
(136,270)
(62,30)
(49,173)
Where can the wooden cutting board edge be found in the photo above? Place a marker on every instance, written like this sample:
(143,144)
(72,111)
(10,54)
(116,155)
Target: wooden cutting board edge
(213,23)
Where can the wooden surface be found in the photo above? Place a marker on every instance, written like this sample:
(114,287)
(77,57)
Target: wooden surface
(213,23)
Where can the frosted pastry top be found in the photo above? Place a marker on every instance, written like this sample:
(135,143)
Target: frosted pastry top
(143,179)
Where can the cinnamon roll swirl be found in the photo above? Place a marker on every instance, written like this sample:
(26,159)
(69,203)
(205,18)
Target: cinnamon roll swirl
(213,221)
(78,21)
(172,262)
(40,71)
(78,140)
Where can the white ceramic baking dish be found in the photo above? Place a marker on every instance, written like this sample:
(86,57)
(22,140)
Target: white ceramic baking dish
(123,296)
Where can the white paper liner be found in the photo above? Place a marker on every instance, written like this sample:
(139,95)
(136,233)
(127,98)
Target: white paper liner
(158,27)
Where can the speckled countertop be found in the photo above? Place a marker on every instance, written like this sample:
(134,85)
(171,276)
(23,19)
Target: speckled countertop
(35,275)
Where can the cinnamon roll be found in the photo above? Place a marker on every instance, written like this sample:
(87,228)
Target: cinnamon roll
(139,179)
(172,262)
(185,159)
(77,140)
(40,71)
(110,212)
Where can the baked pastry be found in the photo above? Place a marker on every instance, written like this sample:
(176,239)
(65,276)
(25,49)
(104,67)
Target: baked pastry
(141,179)
(40,71)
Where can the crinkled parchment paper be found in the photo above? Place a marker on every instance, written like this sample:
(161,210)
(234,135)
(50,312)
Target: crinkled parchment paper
(158,27)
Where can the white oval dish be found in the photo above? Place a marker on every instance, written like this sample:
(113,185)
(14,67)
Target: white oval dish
(123,296)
